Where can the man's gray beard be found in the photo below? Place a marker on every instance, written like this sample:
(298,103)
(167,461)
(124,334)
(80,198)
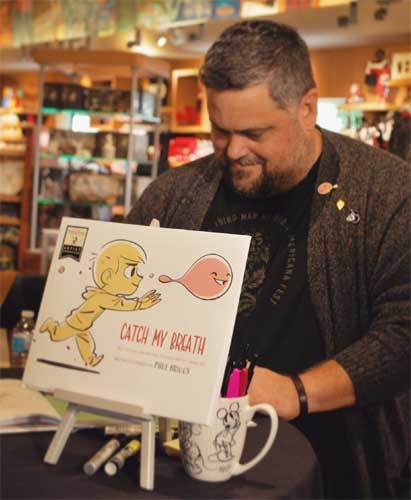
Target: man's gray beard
(267,185)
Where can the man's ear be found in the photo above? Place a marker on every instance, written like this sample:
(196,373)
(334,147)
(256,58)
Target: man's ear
(308,109)
(106,276)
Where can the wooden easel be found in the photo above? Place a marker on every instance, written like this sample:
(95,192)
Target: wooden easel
(113,409)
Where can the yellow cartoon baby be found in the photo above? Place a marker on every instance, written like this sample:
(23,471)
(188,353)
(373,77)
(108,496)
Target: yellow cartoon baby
(115,274)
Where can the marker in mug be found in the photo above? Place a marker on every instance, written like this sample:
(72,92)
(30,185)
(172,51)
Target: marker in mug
(233,389)
(98,459)
(243,381)
(117,462)
(227,372)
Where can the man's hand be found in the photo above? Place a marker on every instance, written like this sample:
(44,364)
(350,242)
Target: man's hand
(275,389)
(148,300)
(328,387)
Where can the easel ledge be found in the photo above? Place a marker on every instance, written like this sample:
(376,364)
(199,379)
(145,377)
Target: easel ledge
(112,409)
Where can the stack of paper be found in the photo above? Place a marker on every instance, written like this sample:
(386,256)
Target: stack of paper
(25,410)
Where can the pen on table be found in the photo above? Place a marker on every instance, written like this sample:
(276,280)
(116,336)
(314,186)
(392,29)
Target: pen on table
(125,429)
(117,462)
(96,461)
(233,389)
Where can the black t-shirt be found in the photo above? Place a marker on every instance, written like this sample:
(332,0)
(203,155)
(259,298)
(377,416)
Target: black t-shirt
(276,322)
(275,317)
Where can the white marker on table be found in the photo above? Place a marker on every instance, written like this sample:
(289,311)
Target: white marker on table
(96,461)
(117,462)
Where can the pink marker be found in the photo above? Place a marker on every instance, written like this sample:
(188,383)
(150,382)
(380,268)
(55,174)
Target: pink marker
(243,381)
(233,389)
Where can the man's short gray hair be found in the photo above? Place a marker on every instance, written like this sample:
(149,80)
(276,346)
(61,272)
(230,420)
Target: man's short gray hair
(253,52)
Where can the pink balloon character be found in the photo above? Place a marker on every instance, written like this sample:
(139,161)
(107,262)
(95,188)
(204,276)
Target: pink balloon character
(208,278)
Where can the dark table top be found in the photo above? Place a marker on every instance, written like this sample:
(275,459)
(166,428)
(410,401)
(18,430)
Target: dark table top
(289,470)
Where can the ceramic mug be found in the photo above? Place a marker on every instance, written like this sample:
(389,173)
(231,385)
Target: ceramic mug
(213,452)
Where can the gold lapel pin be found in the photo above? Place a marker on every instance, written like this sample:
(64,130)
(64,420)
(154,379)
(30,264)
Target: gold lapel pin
(340,204)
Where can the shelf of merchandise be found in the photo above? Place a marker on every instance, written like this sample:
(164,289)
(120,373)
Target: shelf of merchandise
(405,82)
(96,159)
(138,118)
(21,201)
(22,125)
(398,102)
(8,220)
(7,110)
(19,111)
(370,107)
(49,202)
(12,153)
(13,141)
(191,129)
(10,198)
(402,88)
(89,62)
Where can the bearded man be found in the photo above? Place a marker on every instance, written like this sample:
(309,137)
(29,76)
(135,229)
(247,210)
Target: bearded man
(324,310)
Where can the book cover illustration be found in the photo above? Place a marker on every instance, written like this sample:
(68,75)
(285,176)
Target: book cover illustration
(139,314)
(115,275)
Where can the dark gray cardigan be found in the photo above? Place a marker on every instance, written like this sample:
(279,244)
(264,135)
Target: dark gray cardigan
(358,279)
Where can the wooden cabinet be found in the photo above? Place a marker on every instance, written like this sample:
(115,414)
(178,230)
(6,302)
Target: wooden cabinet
(189,105)
(15,208)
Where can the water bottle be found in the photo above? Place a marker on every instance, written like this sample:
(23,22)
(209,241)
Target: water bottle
(21,338)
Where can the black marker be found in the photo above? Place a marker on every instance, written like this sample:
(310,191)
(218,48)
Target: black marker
(227,372)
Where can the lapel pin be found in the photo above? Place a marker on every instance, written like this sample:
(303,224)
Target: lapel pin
(340,204)
(353,217)
(326,188)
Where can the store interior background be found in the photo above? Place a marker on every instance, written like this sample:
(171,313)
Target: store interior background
(100,97)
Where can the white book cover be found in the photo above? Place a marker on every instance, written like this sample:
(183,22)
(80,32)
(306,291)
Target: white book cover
(139,315)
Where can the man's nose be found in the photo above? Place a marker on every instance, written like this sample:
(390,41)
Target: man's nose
(236,147)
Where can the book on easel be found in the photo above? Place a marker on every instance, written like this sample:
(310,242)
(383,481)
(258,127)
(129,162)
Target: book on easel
(139,316)
(136,322)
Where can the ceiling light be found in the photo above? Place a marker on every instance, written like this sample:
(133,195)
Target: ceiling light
(161,40)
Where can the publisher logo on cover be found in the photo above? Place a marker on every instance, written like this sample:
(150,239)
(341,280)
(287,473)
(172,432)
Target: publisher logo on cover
(73,242)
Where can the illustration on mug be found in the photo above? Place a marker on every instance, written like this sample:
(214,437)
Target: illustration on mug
(191,453)
(224,441)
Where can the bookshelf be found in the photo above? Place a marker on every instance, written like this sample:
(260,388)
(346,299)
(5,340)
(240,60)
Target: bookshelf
(84,63)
